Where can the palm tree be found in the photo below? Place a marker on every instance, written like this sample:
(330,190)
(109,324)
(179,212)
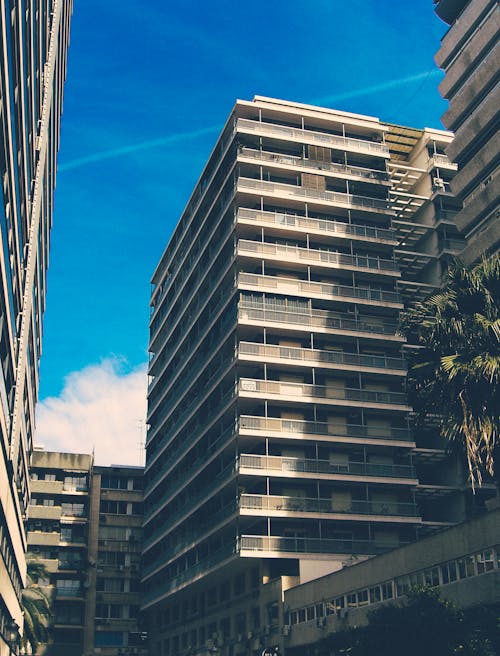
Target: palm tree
(36,608)
(455,373)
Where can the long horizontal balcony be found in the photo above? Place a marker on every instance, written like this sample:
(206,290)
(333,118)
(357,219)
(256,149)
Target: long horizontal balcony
(213,523)
(258,504)
(196,500)
(281,428)
(306,225)
(321,321)
(442,161)
(329,198)
(343,170)
(318,257)
(291,466)
(257,545)
(321,290)
(311,136)
(202,568)
(258,388)
(317,357)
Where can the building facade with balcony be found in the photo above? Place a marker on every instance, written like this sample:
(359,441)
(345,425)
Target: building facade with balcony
(115,539)
(34,41)
(469,55)
(58,537)
(280,443)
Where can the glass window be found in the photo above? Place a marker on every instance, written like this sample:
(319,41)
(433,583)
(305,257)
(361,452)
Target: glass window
(351,601)
(485,561)
(387,590)
(362,597)
(320,610)
(309,613)
(375,595)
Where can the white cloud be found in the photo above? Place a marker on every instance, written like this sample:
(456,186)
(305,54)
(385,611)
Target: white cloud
(100,407)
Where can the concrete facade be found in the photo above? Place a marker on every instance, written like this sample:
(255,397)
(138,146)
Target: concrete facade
(34,41)
(469,56)
(463,561)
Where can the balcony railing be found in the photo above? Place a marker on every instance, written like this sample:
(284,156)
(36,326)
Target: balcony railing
(443,160)
(189,574)
(364,173)
(305,391)
(334,197)
(304,427)
(319,319)
(271,503)
(317,256)
(322,226)
(311,136)
(316,466)
(314,356)
(320,289)
(313,545)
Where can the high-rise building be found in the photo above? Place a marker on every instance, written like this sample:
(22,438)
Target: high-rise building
(469,55)
(34,39)
(58,538)
(279,443)
(115,538)
(85,527)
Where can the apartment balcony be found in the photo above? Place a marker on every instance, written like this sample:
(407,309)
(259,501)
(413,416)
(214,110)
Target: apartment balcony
(264,504)
(320,290)
(441,161)
(50,564)
(262,545)
(451,246)
(328,198)
(281,160)
(323,227)
(297,467)
(320,321)
(321,394)
(275,427)
(44,512)
(339,360)
(298,135)
(317,257)
(190,575)
(50,488)
(43,539)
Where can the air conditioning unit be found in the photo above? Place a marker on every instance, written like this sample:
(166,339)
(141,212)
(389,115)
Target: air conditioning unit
(438,182)
(249,635)
(286,629)
(321,622)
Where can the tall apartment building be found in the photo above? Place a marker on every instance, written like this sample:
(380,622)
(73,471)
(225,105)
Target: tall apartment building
(280,443)
(469,55)
(85,526)
(58,529)
(115,539)
(34,40)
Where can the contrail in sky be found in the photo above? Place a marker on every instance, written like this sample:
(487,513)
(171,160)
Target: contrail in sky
(134,148)
(214,129)
(383,86)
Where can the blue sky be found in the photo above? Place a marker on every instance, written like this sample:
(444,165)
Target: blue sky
(149,84)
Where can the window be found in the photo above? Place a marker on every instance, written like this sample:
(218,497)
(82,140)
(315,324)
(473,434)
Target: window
(485,561)
(375,595)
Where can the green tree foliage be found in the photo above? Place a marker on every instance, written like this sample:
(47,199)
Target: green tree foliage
(36,609)
(455,373)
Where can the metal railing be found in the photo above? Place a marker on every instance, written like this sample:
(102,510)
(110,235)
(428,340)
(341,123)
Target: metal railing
(313,545)
(291,160)
(318,318)
(282,388)
(321,288)
(271,503)
(317,255)
(322,138)
(316,466)
(323,226)
(304,427)
(336,197)
(317,355)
